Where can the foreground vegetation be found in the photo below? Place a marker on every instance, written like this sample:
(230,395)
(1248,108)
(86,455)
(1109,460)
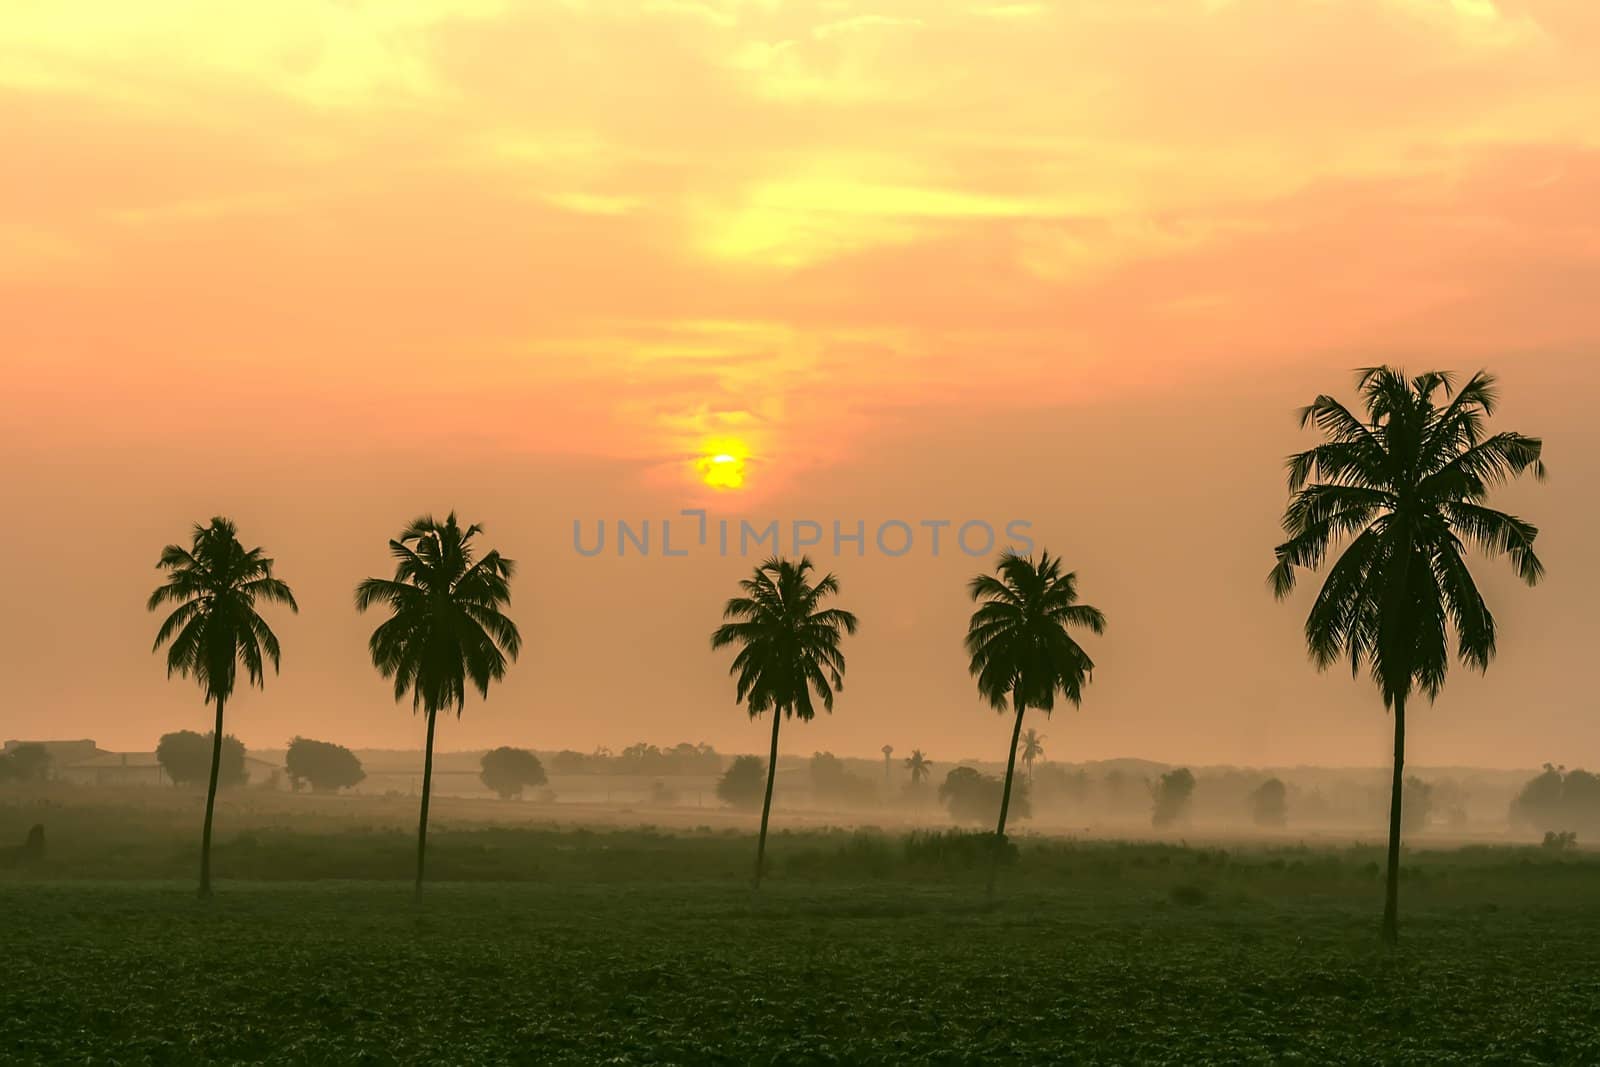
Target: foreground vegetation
(559,944)
(811,972)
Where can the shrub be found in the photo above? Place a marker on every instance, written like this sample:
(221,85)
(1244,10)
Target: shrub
(955,849)
(1560,840)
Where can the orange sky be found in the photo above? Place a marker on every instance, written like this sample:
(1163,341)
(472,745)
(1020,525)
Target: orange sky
(322,264)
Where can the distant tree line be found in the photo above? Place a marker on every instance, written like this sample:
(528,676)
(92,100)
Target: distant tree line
(833,784)
(640,758)
(1558,800)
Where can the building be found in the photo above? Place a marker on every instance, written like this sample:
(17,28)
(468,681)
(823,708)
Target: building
(62,753)
(85,763)
(264,773)
(115,768)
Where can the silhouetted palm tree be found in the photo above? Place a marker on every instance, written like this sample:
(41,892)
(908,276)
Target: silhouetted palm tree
(1032,749)
(1021,649)
(446,628)
(1405,486)
(888,753)
(215,629)
(919,766)
(789,646)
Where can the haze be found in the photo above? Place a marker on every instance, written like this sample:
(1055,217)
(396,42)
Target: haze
(322,267)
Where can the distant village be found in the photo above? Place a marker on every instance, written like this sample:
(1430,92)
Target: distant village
(85,763)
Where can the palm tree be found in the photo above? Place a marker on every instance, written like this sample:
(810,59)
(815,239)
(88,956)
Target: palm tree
(789,646)
(1032,749)
(445,629)
(1021,649)
(1405,487)
(919,766)
(888,753)
(215,629)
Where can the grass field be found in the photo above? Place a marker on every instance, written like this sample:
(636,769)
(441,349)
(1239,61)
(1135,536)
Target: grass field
(632,946)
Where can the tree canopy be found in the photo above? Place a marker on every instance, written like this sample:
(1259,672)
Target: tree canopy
(741,785)
(186,758)
(508,771)
(324,766)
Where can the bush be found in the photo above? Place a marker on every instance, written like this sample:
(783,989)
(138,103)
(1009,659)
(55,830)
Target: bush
(745,783)
(508,771)
(325,766)
(186,757)
(1560,841)
(971,796)
(955,849)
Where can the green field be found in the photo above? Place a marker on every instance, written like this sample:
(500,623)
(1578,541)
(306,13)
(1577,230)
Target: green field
(558,944)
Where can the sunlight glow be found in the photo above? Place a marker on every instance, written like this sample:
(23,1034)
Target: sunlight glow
(723,466)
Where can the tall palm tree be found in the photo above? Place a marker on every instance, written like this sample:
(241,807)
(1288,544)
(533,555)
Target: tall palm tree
(1405,487)
(1021,649)
(1032,749)
(919,766)
(789,646)
(445,629)
(888,754)
(215,629)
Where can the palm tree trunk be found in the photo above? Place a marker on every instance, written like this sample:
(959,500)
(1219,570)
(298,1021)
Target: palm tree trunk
(1005,797)
(1391,895)
(427,789)
(211,805)
(766,805)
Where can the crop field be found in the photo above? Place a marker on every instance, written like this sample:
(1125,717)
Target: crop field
(564,945)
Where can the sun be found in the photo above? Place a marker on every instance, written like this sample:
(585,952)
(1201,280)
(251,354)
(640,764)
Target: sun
(722,466)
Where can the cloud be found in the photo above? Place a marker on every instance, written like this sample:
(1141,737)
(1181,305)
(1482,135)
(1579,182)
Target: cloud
(565,198)
(320,52)
(864,24)
(797,221)
(1011,11)
(593,204)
